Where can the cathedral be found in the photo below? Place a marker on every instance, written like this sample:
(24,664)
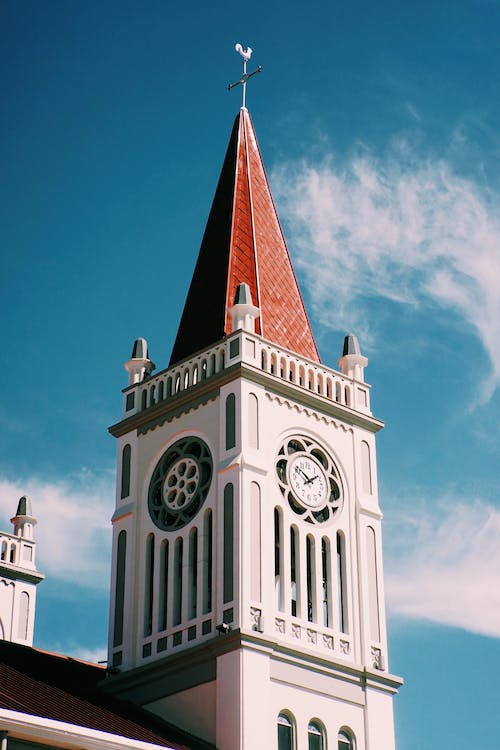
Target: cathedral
(247,589)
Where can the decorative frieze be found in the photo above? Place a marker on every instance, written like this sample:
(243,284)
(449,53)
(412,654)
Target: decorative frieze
(312,636)
(376,657)
(328,641)
(279,625)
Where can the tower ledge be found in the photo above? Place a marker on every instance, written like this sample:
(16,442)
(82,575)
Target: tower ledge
(260,359)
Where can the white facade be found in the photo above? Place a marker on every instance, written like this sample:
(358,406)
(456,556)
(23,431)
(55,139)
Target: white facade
(264,598)
(18,578)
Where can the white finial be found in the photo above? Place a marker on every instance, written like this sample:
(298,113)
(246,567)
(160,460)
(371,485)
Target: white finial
(352,363)
(246,55)
(139,366)
(243,313)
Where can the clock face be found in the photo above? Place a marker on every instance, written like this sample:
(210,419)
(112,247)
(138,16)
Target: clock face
(308,479)
(180,483)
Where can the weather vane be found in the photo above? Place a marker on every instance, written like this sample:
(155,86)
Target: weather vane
(246,55)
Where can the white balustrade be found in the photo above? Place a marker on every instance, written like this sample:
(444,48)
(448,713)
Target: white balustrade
(254,351)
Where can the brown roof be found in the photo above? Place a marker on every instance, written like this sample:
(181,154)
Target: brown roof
(243,242)
(58,687)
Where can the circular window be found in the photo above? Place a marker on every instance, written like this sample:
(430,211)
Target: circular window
(180,483)
(308,479)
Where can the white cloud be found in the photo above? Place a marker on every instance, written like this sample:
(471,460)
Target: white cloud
(443,567)
(411,231)
(92,655)
(73,533)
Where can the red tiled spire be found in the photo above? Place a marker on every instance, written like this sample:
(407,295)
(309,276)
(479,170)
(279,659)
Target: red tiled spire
(243,242)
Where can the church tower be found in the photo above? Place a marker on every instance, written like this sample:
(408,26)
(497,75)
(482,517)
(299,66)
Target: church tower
(247,597)
(18,577)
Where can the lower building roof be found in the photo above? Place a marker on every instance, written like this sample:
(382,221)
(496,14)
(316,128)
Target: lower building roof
(61,688)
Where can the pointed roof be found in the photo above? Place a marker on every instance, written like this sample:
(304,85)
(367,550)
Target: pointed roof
(24,506)
(243,243)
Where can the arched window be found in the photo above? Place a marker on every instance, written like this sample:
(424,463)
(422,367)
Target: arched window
(371,553)
(278,552)
(366,467)
(328,388)
(121,556)
(255,543)
(253,421)
(24,611)
(311,579)
(347,393)
(211,365)
(263,360)
(148,585)
(207,562)
(177,602)
(228,544)
(193,571)
(163,592)
(294,564)
(341,583)
(315,736)
(230,421)
(286,739)
(345,740)
(125,485)
(327,580)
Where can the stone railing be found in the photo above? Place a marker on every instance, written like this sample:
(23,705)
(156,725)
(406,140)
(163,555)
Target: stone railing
(250,349)
(16,551)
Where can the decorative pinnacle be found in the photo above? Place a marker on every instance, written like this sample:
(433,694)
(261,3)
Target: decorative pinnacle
(246,55)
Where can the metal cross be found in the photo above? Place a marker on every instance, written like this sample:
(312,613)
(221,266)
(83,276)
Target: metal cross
(246,55)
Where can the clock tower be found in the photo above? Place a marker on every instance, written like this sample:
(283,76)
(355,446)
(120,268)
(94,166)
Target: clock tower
(247,597)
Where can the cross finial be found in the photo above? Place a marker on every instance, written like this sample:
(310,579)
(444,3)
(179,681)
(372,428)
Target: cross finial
(246,55)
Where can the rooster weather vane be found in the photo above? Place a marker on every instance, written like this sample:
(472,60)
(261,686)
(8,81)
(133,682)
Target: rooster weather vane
(246,55)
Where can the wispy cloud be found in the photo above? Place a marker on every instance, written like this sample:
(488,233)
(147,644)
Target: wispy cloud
(73,534)
(443,566)
(408,230)
(92,655)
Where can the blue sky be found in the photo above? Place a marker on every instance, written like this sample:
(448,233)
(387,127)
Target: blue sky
(378,125)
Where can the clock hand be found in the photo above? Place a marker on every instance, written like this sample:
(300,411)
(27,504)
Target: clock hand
(303,474)
(312,479)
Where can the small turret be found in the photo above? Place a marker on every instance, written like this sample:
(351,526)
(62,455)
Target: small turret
(139,366)
(24,521)
(352,363)
(18,577)
(243,312)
